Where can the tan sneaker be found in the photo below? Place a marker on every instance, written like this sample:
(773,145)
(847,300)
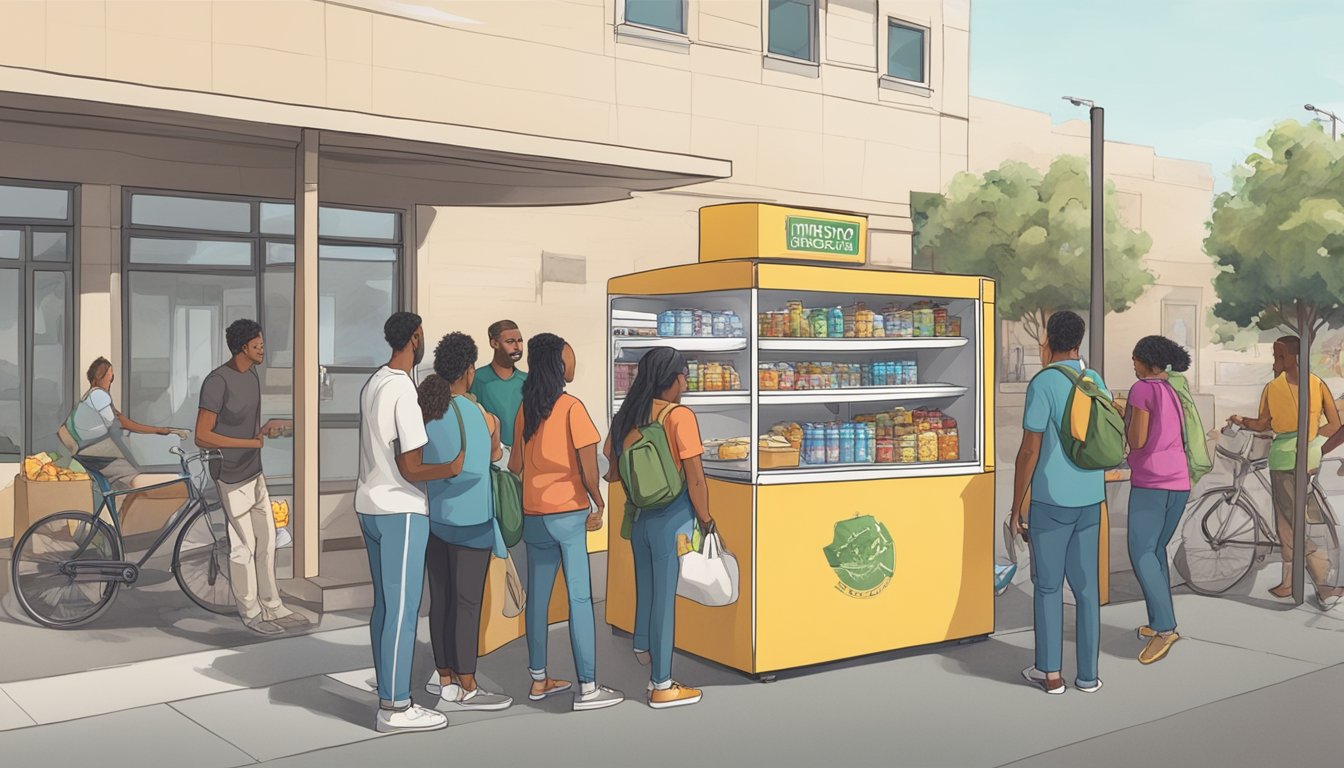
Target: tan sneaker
(676,696)
(1157,647)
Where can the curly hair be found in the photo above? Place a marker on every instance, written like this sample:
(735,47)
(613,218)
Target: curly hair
(454,356)
(400,329)
(241,333)
(545,380)
(434,395)
(1161,353)
(1064,331)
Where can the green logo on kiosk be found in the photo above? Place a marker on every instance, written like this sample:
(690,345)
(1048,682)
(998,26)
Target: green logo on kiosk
(862,555)
(821,236)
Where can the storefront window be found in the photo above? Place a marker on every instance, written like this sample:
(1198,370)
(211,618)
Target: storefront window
(793,29)
(204,262)
(36,316)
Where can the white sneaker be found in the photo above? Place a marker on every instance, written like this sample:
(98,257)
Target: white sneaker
(435,686)
(1091,687)
(479,700)
(413,718)
(600,698)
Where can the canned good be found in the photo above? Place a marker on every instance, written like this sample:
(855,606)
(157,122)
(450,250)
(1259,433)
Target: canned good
(886,450)
(954,326)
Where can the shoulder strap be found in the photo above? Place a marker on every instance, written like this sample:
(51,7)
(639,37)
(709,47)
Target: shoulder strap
(461,428)
(1073,376)
(662,415)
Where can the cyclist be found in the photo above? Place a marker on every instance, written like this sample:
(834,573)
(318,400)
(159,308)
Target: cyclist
(93,433)
(1278,411)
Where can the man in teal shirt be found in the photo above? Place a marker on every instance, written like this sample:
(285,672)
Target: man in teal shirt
(1063,521)
(499,385)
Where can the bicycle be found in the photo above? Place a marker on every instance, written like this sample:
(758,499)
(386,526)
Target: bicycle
(1221,545)
(68,566)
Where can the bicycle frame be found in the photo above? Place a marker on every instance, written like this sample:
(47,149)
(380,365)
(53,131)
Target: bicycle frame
(125,570)
(1235,493)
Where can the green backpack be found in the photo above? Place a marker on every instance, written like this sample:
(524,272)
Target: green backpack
(1102,445)
(1197,457)
(650,474)
(508,491)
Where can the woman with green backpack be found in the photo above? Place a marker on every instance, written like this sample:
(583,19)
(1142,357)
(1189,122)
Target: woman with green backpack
(464,533)
(1160,480)
(654,451)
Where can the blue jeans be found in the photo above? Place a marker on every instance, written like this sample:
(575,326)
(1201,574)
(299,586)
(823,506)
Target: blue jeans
(1153,516)
(396,545)
(1064,544)
(653,541)
(553,540)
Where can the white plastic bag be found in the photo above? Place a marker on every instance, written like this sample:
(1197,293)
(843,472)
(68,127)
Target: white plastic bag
(709,577)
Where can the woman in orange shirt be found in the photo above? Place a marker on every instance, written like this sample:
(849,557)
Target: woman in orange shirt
(558,465)
(654,397)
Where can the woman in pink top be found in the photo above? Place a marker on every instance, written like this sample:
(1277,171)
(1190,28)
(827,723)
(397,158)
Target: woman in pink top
(1160,483)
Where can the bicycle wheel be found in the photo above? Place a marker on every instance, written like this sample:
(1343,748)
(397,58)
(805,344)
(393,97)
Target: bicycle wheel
(50,596)
(201,560)
(1218,546)
(1328,535)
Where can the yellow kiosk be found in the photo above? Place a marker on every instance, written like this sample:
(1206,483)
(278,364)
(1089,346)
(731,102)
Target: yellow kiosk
(843,550)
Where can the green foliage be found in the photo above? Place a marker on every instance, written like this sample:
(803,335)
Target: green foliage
(1278,236)
(1031,233)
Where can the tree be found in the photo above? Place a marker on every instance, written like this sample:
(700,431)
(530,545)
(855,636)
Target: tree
(1031,233)
(1278,241)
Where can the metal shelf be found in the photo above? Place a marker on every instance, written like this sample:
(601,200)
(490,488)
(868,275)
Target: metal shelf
(681,343)
(847,472)
(704,399)
(860,345)
(863,394)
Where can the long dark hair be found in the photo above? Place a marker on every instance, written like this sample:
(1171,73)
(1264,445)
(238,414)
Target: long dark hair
(658,370)
(545,380)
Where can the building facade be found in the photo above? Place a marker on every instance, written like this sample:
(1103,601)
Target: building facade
(168,167)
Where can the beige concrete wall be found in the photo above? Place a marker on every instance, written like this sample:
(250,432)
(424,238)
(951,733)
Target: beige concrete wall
(1169,199)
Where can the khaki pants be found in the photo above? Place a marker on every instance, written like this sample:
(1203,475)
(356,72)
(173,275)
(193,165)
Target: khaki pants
(1283,483)
(252,549)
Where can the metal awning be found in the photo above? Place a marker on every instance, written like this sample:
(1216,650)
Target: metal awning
(425,162)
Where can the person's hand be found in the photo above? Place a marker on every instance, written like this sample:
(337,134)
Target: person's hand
(594,521)
(1019,523)
(707,525)
(1235,420)
(456,464)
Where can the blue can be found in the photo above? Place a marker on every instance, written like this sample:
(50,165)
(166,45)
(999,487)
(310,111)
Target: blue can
(832,444)
(861,444)
(847,433)
(667,324)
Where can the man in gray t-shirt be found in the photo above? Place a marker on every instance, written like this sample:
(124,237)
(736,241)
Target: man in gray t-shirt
(229,421)
(234,397)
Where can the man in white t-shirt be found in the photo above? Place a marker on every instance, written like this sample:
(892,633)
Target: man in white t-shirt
(394,517)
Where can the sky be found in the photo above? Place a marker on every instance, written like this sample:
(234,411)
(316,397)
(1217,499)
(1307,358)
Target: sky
(1195,79)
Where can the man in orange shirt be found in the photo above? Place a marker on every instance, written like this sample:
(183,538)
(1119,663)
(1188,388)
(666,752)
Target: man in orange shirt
(555,453)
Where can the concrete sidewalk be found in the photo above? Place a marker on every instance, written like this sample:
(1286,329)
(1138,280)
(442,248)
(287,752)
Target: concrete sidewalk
(303,701)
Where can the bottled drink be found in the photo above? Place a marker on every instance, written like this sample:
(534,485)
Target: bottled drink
(836,325)
(832,444)
(847,455)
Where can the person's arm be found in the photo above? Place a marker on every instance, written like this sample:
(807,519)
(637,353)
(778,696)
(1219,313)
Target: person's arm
(1028,454)
(1330,411)
(592,483)
(1260,424)
(1138,418)
(412,466)
(516,450)
(1136,431)
(496,447)
(131,425)
(698,490)
(613,471)
(409,420)
(206,437)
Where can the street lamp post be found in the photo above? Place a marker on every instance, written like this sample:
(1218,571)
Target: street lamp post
(1096,351)
(1334,119)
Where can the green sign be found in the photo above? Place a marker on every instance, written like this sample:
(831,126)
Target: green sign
(862,555)
(821,236)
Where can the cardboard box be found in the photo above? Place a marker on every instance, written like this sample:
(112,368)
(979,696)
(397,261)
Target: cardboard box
(35,499)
